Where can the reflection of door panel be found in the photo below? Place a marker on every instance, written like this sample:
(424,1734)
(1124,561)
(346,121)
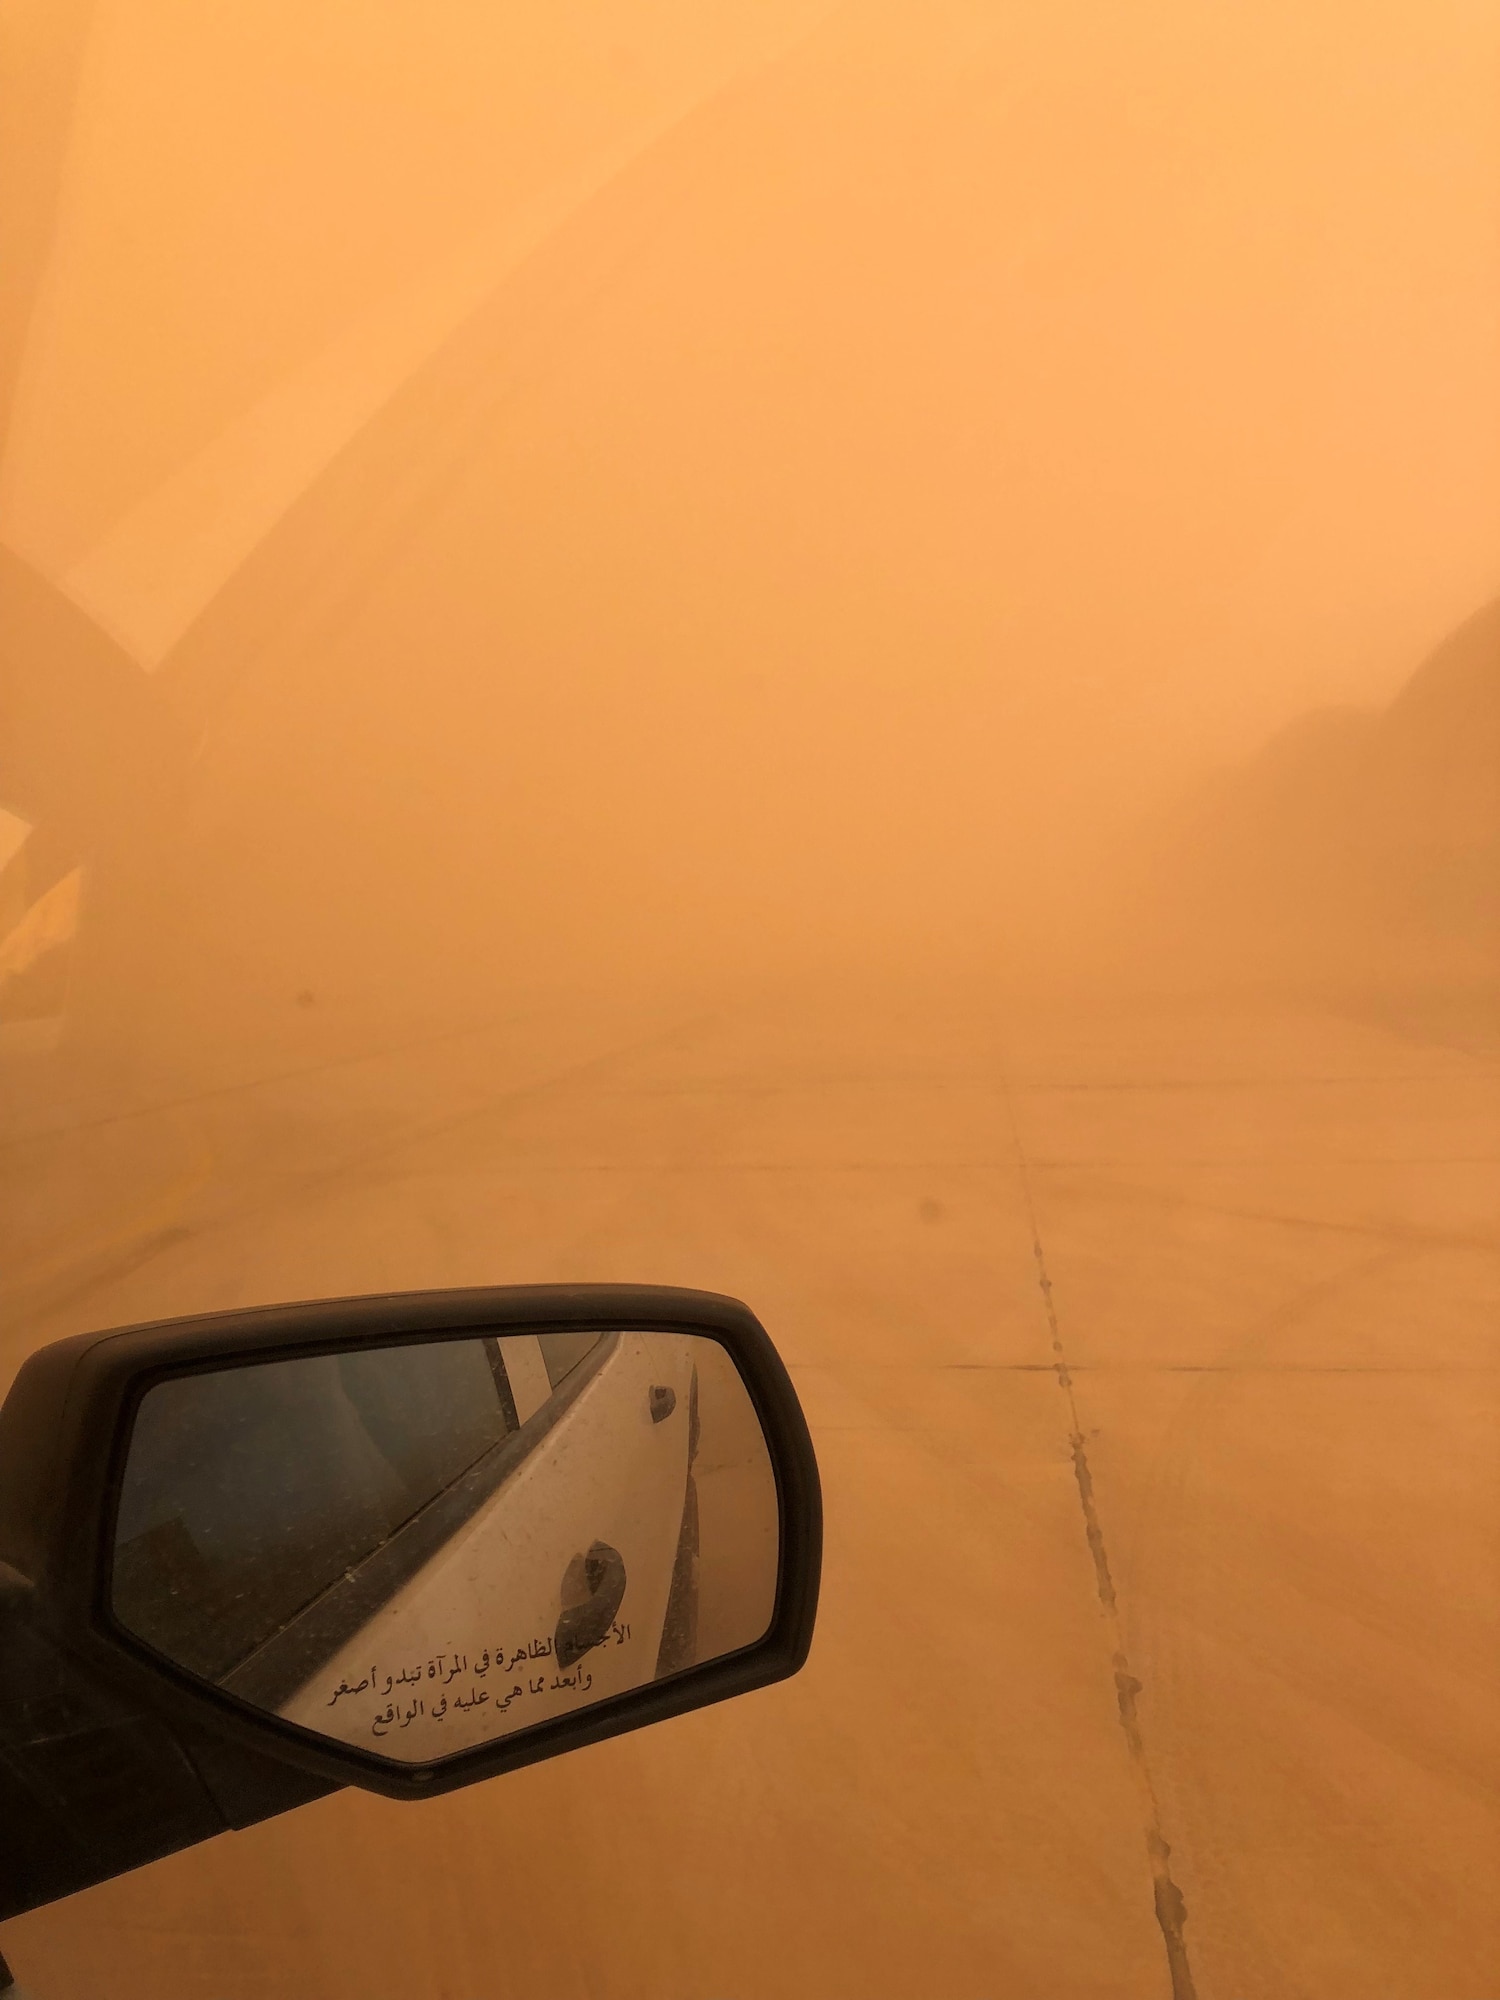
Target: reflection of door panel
(481,1617)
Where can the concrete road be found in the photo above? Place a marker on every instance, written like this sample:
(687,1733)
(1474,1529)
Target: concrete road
(1151,1358)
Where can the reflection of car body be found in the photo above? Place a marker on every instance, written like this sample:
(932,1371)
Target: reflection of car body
(556,1591)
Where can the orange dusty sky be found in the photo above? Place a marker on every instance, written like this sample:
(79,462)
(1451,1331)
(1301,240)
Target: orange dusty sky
(936,427)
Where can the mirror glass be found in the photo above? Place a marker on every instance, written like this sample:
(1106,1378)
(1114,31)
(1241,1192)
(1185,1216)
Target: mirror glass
(419,1548)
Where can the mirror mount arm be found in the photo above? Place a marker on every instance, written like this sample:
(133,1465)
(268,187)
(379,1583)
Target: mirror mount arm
(91,1787)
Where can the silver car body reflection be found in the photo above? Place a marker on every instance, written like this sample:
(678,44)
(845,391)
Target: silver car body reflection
(465,1651)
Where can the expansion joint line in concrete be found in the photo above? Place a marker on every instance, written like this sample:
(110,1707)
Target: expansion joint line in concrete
(1171,1910)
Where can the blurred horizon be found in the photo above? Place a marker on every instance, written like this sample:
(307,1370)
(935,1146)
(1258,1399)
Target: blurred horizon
(629,498)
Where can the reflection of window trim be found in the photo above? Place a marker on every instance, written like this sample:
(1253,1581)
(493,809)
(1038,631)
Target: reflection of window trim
(502,1383)
(268,1677)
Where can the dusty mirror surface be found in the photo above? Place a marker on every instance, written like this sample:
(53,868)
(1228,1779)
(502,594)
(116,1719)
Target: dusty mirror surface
(417,1549)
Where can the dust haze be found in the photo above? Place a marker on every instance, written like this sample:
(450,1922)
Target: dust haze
(591,557)
(826,538)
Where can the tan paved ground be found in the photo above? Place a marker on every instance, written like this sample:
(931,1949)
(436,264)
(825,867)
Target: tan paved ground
(1270,1238)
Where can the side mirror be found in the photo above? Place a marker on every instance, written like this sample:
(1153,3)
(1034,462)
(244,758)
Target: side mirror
(404,1543)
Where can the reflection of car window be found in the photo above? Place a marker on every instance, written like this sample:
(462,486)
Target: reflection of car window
(249,1492)
(562,1352)
(430,1410)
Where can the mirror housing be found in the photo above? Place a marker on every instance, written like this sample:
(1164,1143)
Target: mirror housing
(111,1754)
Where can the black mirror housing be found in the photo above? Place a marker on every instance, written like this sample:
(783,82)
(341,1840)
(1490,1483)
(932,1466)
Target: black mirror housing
(111,1754)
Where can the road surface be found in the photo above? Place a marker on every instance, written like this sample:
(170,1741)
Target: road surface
(1149,1352)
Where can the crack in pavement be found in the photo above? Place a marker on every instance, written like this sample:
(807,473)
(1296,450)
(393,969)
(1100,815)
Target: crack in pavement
(1170,1906)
